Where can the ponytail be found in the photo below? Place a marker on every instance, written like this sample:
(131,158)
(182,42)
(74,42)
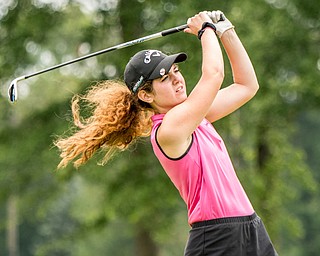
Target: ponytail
(116,120)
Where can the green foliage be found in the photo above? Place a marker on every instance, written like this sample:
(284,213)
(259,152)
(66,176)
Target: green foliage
(97,209)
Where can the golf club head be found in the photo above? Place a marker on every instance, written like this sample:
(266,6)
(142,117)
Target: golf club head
(13,89)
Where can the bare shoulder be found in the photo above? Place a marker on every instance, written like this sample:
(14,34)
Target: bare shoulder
(171,142)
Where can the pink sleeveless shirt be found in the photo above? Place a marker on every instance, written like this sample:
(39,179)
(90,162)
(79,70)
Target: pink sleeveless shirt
(204,175)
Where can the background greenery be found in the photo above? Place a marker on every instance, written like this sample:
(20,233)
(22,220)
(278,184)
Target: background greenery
(129,207)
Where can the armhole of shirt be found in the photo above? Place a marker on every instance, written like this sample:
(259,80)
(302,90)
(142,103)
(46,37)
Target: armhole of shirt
(171,158)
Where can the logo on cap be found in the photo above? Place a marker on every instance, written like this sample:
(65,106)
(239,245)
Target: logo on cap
(136,86)
(162,72)
(149,54)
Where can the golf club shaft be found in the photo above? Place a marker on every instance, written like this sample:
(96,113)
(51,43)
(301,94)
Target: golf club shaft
(13,90)
(116,47)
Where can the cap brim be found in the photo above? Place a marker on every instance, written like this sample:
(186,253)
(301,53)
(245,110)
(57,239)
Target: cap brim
(166,64)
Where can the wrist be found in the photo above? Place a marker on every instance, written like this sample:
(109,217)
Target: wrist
(228,33)
(224,28)
(205,26)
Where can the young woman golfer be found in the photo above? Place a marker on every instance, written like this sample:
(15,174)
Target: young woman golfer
(153,101)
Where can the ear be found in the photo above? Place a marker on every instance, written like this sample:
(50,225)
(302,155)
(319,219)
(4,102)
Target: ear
(145,96)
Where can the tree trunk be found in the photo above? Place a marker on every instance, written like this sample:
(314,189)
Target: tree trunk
(12,226)
(144,244)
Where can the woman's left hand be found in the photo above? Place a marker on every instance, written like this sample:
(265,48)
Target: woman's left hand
(195,23)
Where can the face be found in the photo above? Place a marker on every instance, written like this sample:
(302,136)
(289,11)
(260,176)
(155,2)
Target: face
(168,91)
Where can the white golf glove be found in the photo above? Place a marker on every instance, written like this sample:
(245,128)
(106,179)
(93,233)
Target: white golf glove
(220,21)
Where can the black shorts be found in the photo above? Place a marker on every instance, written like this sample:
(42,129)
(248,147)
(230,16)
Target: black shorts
(235,236)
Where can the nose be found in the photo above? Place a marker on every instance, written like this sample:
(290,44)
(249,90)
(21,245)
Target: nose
(173,76)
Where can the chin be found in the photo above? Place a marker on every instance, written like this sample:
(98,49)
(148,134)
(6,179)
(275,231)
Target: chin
(182,99)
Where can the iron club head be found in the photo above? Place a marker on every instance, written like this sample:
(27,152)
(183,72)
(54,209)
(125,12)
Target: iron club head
(13,89)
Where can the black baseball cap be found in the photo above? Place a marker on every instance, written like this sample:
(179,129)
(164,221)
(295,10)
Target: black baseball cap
(148,65)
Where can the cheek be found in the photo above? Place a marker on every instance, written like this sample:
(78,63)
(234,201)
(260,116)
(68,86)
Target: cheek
(182,79)
(160,88)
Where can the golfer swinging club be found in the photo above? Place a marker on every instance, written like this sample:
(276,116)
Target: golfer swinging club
(153,101)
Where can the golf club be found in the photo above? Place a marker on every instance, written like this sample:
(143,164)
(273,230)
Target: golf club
(13,88)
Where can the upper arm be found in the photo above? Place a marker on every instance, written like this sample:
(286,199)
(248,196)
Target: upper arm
(229,99)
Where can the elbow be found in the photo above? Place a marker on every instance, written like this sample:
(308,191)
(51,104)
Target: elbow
(220,76)
(215,75)
(255,88)
(213,70)
(253,85)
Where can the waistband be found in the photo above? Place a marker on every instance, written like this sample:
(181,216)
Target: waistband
(224,221)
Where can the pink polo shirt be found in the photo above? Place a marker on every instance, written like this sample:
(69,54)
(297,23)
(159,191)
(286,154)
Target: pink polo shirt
(204,175)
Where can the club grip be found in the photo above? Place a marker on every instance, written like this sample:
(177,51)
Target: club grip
(222,17)
(174,30)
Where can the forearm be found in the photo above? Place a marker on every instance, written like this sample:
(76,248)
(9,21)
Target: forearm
(203,94)
(212,60)
(242,68)
(212,75)
(212,68)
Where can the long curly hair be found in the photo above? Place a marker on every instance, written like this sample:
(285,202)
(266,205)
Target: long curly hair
(117,118)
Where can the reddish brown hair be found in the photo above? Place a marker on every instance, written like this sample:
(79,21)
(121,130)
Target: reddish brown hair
(117,119)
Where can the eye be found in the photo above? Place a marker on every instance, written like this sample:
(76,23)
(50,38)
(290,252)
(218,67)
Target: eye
(164,78)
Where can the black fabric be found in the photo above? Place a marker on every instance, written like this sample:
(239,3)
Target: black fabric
(240,236)
(204,26)
(148,65)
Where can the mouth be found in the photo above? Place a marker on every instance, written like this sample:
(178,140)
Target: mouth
(179,88)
